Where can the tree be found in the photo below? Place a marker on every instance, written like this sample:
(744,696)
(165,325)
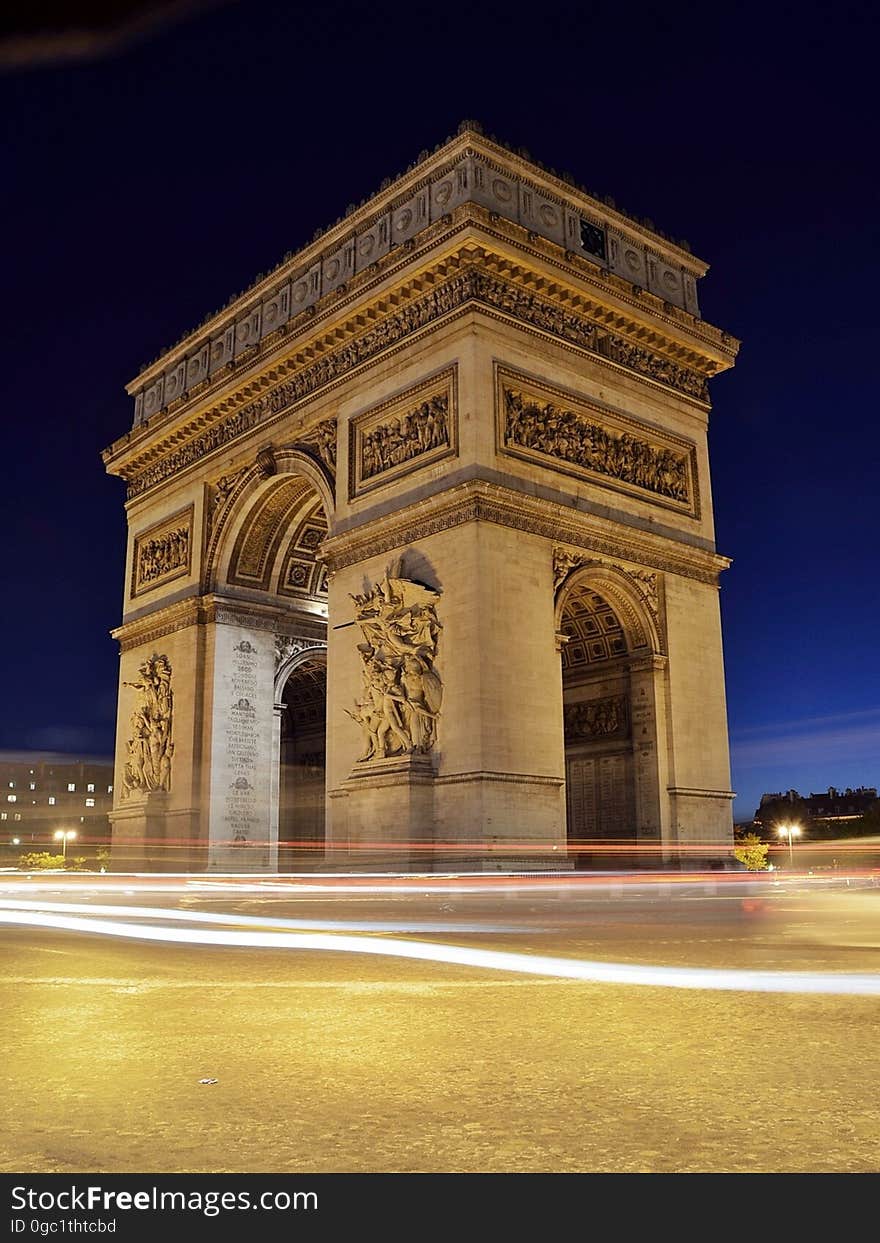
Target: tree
(751,851)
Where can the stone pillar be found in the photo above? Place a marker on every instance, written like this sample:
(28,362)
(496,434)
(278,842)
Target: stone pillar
(275,786)
(243,779)
(139,833)
(650,757)
(492,794)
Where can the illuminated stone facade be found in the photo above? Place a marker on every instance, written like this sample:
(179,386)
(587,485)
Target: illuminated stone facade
(422,527)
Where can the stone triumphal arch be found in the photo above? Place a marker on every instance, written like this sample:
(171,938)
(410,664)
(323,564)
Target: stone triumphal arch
(421,567)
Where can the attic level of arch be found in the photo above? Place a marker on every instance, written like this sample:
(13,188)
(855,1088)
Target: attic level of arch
(472,276)
(469,172)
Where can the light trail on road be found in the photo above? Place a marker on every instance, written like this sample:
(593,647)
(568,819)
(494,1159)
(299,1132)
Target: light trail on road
(728,979)
(257,921)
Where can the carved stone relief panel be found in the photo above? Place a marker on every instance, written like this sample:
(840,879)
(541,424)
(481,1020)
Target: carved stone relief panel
(276,309)
(402,691)
(322,440)
(409,218)
(596,720)
(175,382)
(305,289)
(247,331)
(374,243)
(197,367)
(150,748)
(553,428)
(338,267)
(665,281)
(163,552)
(541,215)
(627,260)
(450,190)
(495,189)
(294,645)
(413,429)
(153,397)
(222,348)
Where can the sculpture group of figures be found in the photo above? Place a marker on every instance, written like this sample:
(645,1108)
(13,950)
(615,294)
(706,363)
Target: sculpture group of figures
(391,444)
(323,438)
(601,718)
(402,692)
(160,556)
(150,747)
(573,438)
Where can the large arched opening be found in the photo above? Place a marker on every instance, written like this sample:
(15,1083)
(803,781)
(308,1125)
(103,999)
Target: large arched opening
(302,762)
(609,720)
(270,664)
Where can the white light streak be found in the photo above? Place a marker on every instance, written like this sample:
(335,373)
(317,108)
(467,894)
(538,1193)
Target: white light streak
(256,921)
(464,956)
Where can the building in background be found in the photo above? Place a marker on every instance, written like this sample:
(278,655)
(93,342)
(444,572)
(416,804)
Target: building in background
(41,792)
(831,804)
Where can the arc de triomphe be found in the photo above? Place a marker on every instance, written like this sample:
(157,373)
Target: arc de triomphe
(421,566)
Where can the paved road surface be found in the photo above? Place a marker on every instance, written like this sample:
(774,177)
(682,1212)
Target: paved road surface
(329,1062)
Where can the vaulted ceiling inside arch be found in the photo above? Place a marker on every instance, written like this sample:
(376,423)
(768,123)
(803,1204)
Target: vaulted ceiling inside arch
(277,545)
(593,630)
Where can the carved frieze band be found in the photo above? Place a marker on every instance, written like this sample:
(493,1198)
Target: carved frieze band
(597,720)
(552,428)
(162,553)
(202,611)
(470,284)
(413,429)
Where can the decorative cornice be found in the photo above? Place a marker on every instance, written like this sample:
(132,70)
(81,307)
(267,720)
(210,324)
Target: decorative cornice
(682,792)
(478,501)
(469,280)
(202,610)
(489,775)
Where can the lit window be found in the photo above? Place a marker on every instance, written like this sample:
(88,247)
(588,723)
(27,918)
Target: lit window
(32,772)
(4,815)
(33,785)
(51,800)
(17,816)
(90,802)
(71,787)
(109,789)
(12,798)
(12,785)
(91,787)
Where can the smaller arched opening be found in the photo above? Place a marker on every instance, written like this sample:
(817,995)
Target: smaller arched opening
(302,772)
(604,638)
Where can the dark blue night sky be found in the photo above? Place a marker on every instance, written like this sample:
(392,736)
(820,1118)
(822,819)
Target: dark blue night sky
(144,187)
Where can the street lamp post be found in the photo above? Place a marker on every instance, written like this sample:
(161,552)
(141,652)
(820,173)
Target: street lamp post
(789,831)
(64,836)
